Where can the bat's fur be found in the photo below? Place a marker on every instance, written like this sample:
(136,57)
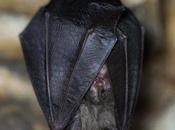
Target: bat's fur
(97,110)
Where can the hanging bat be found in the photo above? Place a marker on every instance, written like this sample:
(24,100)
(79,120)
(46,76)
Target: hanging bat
(84,59)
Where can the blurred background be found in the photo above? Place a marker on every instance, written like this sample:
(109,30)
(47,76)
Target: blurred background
(19,109)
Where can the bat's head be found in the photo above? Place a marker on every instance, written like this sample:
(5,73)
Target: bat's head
(74,6)
(83,1)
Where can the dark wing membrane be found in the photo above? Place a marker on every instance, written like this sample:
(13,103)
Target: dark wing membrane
(135,36)
(124,65)
(118,70)
(33,44)
(51,49)
(65,42)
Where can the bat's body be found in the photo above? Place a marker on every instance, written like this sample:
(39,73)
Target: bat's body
(84,59)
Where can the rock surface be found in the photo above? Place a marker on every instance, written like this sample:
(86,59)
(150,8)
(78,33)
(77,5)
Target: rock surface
(19,109)
(28,7)
(11,25)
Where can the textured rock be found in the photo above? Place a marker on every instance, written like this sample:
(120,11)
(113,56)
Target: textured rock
(169,18)
(157,97)
(19,109)
(11,25)
(148,12)
(22,6)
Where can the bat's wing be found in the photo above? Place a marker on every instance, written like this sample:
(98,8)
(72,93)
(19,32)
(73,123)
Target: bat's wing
(33,44)
(124,65)
(63,60)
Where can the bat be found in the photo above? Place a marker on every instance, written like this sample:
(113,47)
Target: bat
(81,55)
